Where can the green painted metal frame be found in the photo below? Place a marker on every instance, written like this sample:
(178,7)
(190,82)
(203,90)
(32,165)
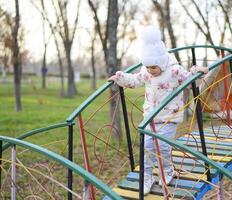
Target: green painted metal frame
(66,163)
(200,46)
(170,97)
(144,123)
(128,70)
(35,131)
(96,94)
(189,150)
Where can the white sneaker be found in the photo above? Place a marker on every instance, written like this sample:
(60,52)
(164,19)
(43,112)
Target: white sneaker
(168,177)
(148,182)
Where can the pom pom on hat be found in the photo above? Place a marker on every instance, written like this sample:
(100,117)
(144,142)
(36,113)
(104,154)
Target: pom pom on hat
(153,50)
(150,35)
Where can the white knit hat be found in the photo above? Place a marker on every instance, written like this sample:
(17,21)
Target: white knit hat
(153,50)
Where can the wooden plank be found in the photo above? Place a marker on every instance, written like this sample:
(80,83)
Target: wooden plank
(212,157)
(157,190)
(207,141)
(211,134)
(223,127)
(192,168)
(215,151)
(187,161)
(127,194)
(187,175)
(212,138)
(179,183)
(208,146)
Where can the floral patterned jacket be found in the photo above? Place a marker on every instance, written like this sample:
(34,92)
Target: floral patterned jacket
(157,88)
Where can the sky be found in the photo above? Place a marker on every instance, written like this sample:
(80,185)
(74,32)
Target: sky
(32,22)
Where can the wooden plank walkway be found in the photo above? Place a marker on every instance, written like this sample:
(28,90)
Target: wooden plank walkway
(190,182)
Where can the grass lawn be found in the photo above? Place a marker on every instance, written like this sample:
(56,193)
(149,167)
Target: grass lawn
(44,107)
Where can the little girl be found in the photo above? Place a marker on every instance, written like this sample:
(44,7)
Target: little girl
(161,74)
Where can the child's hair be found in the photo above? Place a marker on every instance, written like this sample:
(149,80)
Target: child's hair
(153,50)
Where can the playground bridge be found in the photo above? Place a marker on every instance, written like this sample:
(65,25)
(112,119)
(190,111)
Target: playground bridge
(201,156)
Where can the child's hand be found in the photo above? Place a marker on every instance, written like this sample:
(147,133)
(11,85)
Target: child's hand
(112,78)
(202,69)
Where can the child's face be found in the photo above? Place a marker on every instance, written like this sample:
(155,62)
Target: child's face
(154,70)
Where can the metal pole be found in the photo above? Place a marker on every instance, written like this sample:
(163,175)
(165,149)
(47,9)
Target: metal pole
(200,118)
(159,162)
(225,83)
(141,166)
(70,157)
(0,164)
(126,122)
(90,187)
(13,173)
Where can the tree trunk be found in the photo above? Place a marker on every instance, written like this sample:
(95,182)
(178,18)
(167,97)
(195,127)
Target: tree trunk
(62,91)
(44,68)
(71,84)
(112,63)
(16,60)
(170,29)
(94,85)
(165,22)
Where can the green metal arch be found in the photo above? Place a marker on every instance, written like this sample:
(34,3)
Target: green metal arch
(170,97)
(200,46)
(36,131)
(65,162)
(189,150)
(93,96)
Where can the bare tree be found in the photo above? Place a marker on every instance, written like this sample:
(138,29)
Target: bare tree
(53,29)
(66,31)
(44,64)
(165,22)
(226,9)
(16,59)
(5,41)
(108,40)
(199,17)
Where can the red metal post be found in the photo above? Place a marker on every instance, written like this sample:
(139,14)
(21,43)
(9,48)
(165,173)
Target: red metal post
(225,73)
(160,164)
(86,156)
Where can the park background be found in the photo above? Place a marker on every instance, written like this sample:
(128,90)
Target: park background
(55,53)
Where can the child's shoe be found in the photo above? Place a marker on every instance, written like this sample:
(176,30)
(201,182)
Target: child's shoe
(148,182)
(168,177)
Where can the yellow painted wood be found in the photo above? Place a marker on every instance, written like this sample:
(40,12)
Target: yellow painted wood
(135,195)
(187,175)
(212,157)
(212,138)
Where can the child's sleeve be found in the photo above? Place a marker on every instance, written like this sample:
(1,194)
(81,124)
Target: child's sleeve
(129,80)
(182,74)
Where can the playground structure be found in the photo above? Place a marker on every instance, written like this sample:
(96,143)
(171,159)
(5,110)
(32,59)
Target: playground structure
(202,153)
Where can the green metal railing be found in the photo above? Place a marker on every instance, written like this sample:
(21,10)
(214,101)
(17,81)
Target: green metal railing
(152,114)
(36,131)
(66,163)
(128,70)
(96,94)
(183,86)
(142,125)
(189,150)
(200,46)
